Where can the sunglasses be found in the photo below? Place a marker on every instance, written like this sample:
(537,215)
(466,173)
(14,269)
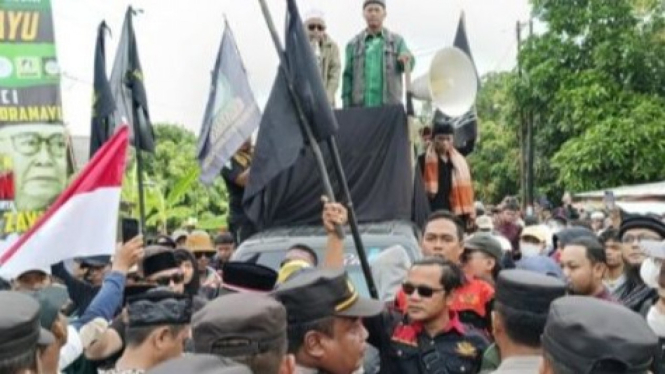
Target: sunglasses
(200,255)
(313,27)
(424,291)
(176,278)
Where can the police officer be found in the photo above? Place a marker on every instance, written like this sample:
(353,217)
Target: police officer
(21,334)
(591,336)
(200,364)
(325,312)
(523,299)
(247,327)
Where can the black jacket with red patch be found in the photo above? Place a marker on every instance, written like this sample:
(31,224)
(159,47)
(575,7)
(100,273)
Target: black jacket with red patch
(405,348)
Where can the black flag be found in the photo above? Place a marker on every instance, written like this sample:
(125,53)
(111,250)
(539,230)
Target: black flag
(128,88)
(103,105)
(467,134)
(281,139)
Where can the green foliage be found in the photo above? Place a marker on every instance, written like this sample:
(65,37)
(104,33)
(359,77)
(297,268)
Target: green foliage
(595,83)
(172,190)
(494,162)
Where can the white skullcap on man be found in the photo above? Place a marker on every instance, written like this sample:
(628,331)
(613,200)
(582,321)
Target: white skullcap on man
(597,215)
(315,14)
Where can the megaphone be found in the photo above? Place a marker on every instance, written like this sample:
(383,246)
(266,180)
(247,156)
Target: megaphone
(451,82)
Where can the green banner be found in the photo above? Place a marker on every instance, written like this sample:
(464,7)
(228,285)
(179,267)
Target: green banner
(33,162)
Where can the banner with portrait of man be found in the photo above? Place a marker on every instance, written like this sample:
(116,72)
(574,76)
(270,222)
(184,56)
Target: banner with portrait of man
(33,162)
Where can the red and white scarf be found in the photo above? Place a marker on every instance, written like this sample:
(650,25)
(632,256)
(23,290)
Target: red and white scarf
(461,196)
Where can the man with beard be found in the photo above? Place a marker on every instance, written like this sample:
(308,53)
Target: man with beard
(638,292)
(325,51)
(583,263)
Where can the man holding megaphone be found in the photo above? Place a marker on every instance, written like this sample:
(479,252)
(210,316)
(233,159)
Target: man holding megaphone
(446,174)
(375,61)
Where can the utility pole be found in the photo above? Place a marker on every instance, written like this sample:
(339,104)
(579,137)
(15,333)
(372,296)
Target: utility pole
(530,179)
(522,126)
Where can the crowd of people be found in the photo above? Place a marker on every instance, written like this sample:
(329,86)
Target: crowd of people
(556,298)
(493,289)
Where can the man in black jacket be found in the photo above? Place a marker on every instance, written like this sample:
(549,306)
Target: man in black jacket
(81,292)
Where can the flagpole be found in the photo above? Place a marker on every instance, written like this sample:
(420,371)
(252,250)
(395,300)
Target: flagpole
(139,170)
(138,146)
(353,221)
(319,158)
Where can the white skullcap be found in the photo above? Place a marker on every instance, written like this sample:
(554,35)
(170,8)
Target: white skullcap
(597,215)
(315,13)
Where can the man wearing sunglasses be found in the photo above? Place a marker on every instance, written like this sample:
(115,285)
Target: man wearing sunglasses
(326,52)
(160,268)
(428,336)
(200,245)
(443,236)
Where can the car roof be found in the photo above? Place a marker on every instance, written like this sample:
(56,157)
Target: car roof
(382,234)
(376,228)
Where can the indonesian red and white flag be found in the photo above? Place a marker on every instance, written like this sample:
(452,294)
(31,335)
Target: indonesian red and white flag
(82,221)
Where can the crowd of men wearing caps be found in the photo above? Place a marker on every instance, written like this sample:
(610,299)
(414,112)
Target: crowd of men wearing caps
(306,318)
(496,301)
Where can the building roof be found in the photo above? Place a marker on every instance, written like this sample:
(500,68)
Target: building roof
(640,191)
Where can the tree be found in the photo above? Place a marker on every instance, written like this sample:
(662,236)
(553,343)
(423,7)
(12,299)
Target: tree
(494,161)
(172,191)
(595,82)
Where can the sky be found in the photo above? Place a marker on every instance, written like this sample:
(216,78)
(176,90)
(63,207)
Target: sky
(179,39)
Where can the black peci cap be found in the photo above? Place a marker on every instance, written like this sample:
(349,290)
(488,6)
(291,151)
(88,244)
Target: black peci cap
(157,307)
(162,259)
(246,276)
(642,222)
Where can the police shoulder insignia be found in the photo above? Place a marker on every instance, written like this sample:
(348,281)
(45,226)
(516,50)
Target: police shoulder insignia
(465,349)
